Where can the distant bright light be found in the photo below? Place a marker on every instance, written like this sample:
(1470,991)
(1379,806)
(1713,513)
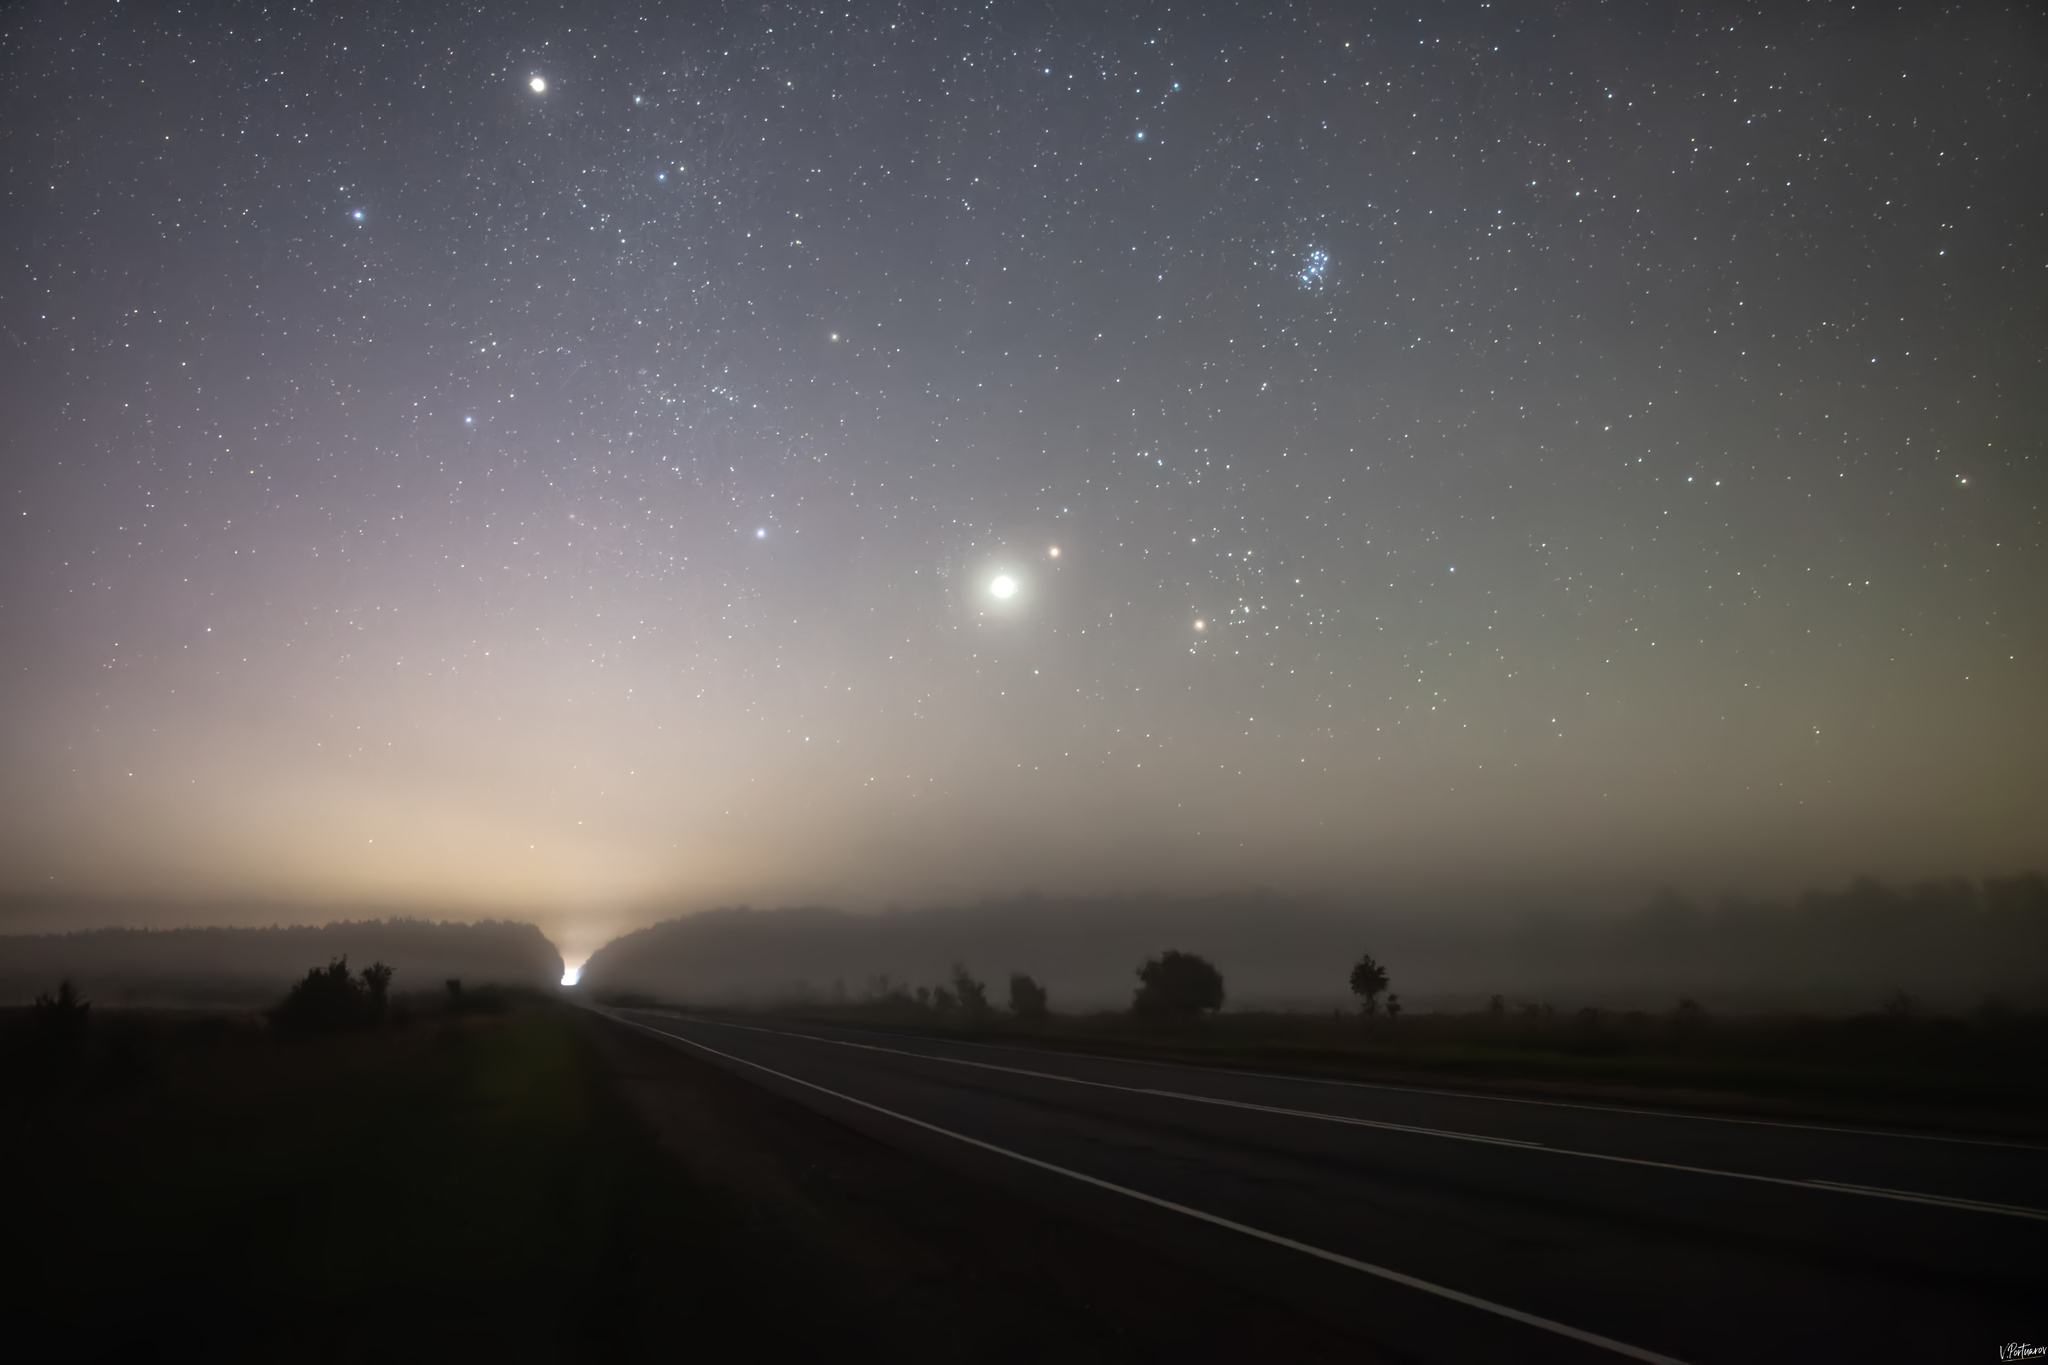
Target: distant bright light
(1201,625)
(357,215)
(570,977)
(1004,586)
(1141,136)
(469,421)
(760,533)
(1054,552)
(537,85)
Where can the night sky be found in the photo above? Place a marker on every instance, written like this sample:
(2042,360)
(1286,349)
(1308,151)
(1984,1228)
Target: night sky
(570,460)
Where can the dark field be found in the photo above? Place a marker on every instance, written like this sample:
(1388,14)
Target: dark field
(462,1188)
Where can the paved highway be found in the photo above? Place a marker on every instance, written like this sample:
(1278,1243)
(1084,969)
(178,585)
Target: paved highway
(1440,1225)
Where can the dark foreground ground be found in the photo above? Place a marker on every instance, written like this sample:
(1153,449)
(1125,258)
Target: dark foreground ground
(538,1185)
(551,1183)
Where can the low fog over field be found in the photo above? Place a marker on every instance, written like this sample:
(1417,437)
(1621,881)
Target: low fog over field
(1950,944)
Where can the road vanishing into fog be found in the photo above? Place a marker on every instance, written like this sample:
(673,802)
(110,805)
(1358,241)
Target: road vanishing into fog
(1444,1225)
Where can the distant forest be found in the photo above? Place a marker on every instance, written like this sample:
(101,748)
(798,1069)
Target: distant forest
(1950,945)
(254,966)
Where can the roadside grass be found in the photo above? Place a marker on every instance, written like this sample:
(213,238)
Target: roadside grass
(1994,1063)
(460,1188)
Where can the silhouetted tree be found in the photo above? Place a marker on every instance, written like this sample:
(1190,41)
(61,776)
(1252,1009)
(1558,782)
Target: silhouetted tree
(1368,979)
(1177,985)
(1027,997)
(60,1019)
(972,994)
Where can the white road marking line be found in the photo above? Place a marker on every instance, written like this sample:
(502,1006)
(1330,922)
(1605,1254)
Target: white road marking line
(1381,1272)
(1831,1186)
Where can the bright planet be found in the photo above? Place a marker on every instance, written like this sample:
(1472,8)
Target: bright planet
(1004,586)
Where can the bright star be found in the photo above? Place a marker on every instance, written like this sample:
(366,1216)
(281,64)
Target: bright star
(357,215)
(538,85)
(1004,586)
(760,533)
(1054,552)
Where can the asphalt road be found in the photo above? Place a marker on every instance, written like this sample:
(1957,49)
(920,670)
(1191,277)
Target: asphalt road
(1444,1226)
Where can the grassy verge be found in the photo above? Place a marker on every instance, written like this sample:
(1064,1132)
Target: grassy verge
(456,1188)
(1969,1070)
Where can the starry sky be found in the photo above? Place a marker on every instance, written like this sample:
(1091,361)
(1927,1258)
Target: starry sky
(575,459)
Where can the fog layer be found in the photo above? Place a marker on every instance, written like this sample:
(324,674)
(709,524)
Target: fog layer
(1948,945)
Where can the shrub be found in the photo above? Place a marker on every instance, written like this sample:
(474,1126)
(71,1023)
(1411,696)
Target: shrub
(1177,985)
(330,1000)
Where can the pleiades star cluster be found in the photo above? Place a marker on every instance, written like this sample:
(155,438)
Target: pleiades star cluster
(574,457)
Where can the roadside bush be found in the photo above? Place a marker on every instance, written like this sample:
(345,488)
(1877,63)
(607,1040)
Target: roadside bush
(330,1000)
(1177,985)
